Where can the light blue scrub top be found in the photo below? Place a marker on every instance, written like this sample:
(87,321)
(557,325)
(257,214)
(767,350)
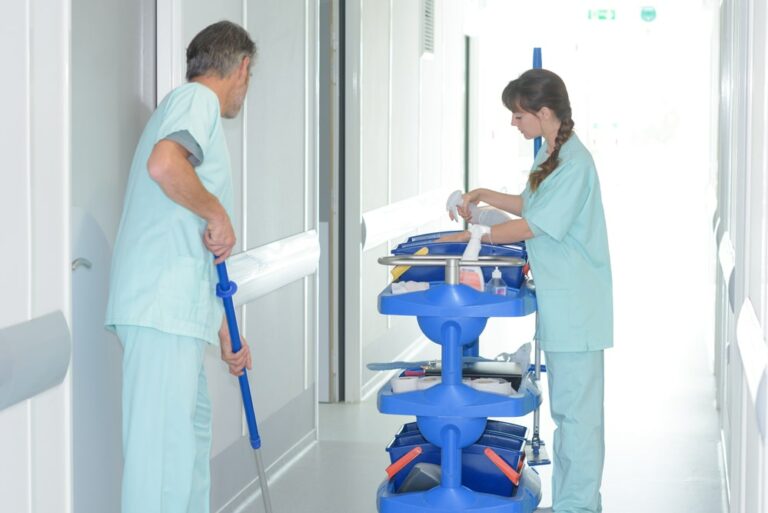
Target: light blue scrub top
(569,254)
(162,275)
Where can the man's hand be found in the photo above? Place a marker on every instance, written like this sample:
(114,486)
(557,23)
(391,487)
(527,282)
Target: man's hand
(236,361)
(219,238)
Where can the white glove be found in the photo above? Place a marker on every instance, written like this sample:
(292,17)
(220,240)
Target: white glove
(455,200)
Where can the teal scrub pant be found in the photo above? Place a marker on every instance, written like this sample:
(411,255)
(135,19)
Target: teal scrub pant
(576,383)
(166,423)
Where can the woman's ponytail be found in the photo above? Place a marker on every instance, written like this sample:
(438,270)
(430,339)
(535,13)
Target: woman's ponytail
(549,165)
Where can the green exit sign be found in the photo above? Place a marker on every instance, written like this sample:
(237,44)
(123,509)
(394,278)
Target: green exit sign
(601,14)
(648,13)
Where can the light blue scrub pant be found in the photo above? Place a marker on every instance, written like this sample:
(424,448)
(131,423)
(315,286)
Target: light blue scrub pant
(576,384)
(166,423)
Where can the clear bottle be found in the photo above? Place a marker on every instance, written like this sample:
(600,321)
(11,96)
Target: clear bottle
(496,284)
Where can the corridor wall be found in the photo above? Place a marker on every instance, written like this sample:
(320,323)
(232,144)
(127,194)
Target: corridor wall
(404,147)
(35,434)
(740,231)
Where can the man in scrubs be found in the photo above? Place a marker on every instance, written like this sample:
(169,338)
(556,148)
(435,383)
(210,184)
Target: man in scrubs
(162,304)
(562,222)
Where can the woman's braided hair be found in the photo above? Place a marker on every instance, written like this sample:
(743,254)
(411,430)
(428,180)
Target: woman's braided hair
(534,89)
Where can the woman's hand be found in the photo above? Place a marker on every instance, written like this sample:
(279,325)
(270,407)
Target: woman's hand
(455,237)
(236,361)
(470,198)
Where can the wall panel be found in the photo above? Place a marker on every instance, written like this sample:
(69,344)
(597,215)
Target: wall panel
(404,153)
(35,435)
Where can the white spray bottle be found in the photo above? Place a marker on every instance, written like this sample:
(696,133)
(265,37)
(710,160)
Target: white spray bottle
(472,276)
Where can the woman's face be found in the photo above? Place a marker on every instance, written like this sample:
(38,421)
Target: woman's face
(528,123)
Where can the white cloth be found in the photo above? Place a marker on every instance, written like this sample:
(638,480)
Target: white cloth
(403,287)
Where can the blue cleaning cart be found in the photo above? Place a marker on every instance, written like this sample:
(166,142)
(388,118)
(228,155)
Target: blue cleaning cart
(452,416)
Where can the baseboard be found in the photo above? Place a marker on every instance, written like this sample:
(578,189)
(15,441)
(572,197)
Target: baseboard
(723,461)
(251,494)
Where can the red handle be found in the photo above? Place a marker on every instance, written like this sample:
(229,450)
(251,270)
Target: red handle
(508,471)
(403,461)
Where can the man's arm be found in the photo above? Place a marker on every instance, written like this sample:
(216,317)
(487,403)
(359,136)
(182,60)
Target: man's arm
(168,165)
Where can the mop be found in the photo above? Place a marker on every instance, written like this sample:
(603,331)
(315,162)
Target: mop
(225,290)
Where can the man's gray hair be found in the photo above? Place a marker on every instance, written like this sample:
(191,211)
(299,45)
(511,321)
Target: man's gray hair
(218,49)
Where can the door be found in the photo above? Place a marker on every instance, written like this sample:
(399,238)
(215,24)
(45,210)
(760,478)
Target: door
(273,149)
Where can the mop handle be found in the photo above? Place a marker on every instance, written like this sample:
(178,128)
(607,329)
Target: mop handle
(536,65)
(225,290)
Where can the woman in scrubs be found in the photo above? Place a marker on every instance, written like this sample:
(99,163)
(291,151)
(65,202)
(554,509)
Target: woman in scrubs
(561,219)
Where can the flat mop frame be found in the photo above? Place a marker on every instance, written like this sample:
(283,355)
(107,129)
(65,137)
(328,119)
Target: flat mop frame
(225,290)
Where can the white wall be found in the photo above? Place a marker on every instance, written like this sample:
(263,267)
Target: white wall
(113,95)
(742,312)
(404,140)
(35,435)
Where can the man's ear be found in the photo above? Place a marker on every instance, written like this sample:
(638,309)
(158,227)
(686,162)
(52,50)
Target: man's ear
(245,65)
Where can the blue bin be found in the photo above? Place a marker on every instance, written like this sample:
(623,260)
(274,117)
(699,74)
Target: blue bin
(407,429)
(478,472)
(513,276)
(506,428)
(496,427)
(400,446)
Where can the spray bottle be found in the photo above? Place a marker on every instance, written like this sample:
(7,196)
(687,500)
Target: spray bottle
(496,285)
(472,276)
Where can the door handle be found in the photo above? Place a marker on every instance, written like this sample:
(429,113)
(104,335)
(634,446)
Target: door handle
(77,262)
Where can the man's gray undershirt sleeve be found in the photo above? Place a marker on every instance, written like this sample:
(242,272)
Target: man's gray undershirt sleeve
(184,138)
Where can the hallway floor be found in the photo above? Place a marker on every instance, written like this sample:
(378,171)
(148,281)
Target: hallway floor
(662,442)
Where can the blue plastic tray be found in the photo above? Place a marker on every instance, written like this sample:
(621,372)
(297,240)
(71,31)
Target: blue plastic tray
(513,276)
(525,498)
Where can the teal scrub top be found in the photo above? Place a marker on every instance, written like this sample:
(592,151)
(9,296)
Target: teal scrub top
(162,275)
(569,255)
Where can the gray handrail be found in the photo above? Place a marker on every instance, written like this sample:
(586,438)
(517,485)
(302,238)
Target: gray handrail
(34,356)
(452,263)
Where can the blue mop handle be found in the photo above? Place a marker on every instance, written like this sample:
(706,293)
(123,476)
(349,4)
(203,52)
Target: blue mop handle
(536,65)
(225,290)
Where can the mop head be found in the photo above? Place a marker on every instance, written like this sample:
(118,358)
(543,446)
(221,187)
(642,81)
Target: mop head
(400,270)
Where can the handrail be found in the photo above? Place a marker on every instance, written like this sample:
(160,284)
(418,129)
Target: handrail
(34,356)
(452,263)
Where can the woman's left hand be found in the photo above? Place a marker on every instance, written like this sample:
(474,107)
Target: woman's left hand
(455,237)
